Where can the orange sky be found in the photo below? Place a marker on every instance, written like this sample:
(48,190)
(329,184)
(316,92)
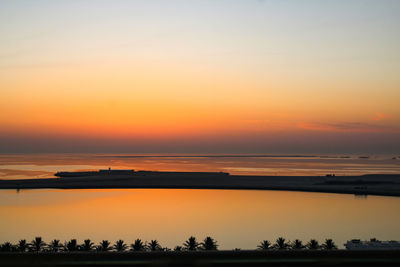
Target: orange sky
(101,77)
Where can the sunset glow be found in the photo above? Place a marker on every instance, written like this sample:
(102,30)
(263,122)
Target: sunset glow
(234,76)
(231,212)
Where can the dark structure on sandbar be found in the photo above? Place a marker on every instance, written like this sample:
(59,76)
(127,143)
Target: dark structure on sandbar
(111,172)
(95,173)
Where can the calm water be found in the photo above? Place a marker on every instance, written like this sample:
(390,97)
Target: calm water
(36,166)
(237,219)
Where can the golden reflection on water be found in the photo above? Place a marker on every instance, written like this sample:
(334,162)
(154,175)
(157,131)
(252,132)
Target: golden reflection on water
(237,219)
(45,165)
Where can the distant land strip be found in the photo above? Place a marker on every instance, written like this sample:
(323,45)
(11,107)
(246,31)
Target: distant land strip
(218,156)
(379,184)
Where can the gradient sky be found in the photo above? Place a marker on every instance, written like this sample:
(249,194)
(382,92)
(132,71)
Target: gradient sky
(200,76)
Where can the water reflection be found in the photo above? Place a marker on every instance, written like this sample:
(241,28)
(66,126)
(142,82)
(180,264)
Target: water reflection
(235,218)
(42,166)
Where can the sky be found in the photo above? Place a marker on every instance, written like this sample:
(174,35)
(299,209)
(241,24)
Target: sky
(210,76)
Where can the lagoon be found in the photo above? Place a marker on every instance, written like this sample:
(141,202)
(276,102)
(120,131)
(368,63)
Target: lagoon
(235,218)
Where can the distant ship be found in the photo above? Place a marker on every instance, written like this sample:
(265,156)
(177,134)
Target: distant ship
(373,244)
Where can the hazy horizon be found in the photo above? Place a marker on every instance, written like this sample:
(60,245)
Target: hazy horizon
(200,76)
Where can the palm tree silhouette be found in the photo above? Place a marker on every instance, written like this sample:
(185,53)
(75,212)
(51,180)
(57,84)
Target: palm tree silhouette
(329,244)
(312,244)
(280,243)
(104,245)
(55,245)
(38,244)
(72,245)
(22,245)
(138,245)
(191,243)
(209,244)
(264,245)
(297,244)
(87,245)
(178,248)
(6,247)
(120,246)
(154,245)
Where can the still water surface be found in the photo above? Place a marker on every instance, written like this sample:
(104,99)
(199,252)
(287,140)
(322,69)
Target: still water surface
(26,166)
(237,219)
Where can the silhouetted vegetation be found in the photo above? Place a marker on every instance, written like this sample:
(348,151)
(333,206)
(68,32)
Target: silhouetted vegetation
(154,245)
(87,245)
(38,244)
(138,245)
(104,246)
(22,245)
(191,244)
(313,244)
(329,244)
(178,248)
(297,244)
(55,245)
(209,244)
(264,245)
(6,247)
(120,246)
(281,243)
(72,245)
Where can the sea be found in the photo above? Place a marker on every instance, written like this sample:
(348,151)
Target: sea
(237,219)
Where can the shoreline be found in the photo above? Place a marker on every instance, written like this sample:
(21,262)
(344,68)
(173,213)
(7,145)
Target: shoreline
(381,185)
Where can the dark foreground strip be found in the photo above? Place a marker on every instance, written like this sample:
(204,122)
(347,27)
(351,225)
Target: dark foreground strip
(214,258)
